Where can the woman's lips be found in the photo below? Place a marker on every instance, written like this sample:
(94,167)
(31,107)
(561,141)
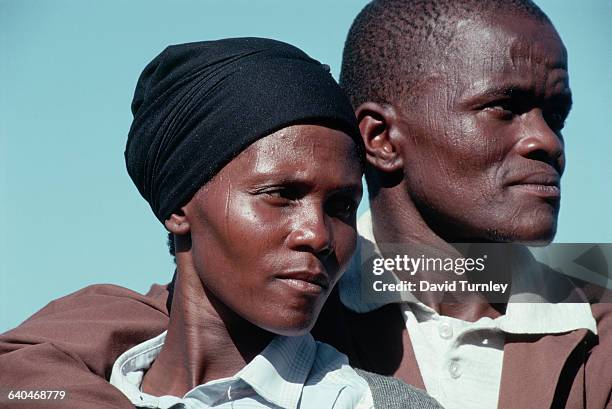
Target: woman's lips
(312,282)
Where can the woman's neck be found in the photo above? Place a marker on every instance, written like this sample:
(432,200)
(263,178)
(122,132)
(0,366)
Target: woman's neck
(205,341)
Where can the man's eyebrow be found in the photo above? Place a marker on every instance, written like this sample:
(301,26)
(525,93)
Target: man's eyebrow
(509,90)
(483,92)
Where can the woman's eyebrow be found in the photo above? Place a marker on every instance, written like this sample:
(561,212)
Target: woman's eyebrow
(352,189)
(273,178)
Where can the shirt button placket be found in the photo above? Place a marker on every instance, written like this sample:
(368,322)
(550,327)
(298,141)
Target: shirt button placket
(454,369)
(445,330)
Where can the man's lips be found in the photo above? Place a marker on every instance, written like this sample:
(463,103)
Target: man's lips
(544,184)
(312,281)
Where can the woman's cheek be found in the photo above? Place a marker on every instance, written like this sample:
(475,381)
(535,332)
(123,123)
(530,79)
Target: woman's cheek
(256,224)
(348,251)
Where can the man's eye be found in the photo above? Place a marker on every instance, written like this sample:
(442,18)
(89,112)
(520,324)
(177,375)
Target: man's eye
(555,120)
(502,110)
(509,107)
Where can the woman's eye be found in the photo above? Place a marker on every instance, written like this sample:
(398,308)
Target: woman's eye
(280,194)
(284,193)
(341,207)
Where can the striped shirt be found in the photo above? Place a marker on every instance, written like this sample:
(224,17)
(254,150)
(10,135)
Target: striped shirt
(291,373)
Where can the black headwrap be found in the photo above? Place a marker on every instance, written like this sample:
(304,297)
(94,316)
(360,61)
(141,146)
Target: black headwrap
(198,105)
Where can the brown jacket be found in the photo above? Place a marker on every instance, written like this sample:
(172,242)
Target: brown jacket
(73,342)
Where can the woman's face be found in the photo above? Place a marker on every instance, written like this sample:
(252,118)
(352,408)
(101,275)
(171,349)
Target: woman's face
(273,230)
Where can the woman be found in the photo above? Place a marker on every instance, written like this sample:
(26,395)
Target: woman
(248,152)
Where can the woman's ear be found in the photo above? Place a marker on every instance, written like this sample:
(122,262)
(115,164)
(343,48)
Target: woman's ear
(377,123)
(177,223)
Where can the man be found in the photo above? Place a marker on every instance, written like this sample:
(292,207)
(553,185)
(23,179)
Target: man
(461,106)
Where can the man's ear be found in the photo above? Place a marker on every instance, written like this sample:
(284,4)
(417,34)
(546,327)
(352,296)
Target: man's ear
(377,123)
(177,223)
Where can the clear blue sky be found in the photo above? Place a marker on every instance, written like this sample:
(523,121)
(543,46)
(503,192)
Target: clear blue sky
(69,214)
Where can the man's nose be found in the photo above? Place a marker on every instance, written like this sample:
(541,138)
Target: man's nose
(539,142)
(312,232)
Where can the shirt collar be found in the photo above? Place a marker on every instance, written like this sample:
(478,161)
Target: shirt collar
(520,317)
(277,374)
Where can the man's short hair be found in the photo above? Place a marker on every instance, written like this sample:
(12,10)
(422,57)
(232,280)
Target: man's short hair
(171,246)
(394,42)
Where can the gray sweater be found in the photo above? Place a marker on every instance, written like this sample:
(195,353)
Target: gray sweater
(391,393)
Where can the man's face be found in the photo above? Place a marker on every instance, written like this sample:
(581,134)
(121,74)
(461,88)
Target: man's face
(273,230)
(482,138)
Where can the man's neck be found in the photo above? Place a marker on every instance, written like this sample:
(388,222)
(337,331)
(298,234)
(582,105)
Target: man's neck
(405,226)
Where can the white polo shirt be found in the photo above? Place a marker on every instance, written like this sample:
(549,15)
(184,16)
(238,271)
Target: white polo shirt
(460,361)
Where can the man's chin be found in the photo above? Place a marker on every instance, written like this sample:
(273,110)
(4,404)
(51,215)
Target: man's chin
(540,234)
(538,239)
(537,242)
